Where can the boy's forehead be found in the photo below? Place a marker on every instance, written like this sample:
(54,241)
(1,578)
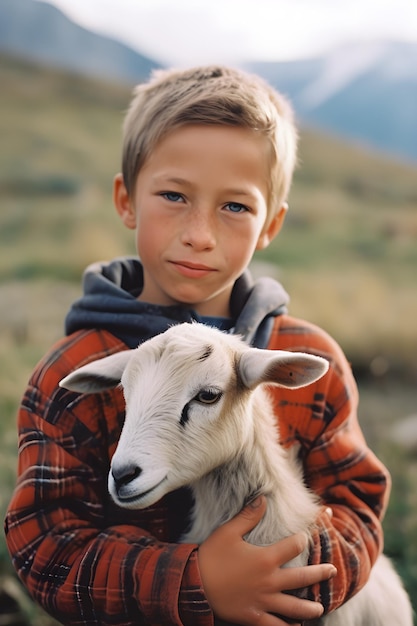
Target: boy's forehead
(236,142)
(231,158)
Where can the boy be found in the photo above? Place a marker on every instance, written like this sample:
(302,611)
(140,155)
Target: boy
(208,156)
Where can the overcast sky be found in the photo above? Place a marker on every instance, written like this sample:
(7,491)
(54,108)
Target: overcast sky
(188,32)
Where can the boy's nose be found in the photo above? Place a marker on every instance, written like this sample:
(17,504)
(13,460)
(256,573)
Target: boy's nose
(199,231)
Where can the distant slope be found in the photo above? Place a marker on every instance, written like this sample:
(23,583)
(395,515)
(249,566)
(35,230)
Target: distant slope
(347,253)
(361,91)
(41,32)
(367,92)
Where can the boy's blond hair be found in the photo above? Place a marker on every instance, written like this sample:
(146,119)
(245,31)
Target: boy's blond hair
(214,95)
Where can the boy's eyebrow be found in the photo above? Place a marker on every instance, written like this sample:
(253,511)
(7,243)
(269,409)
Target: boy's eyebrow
(236,191)
(171,179)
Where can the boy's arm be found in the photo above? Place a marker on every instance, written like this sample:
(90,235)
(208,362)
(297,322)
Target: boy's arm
(81,558)
(356,486)
(338,466)
(77,568)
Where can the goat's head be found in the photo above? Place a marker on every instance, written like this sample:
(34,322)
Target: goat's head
(187,393)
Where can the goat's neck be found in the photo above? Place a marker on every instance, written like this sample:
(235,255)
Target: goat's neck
(261,466)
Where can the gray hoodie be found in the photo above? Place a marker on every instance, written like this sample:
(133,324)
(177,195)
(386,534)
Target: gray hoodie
(109,302)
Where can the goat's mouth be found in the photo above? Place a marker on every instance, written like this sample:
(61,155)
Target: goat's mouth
(138,500)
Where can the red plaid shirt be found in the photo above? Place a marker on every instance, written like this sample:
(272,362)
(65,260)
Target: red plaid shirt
(88,562)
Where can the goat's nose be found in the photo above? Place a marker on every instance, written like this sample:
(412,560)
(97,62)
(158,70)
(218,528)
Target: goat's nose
(124,474)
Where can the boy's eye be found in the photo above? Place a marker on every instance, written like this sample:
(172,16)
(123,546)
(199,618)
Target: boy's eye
(172,196)
(236,207)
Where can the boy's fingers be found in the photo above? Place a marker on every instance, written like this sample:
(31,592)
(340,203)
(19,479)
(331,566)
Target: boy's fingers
(248,517)
(293,578)
(290,547)
(295,609)
(289,609)
(300,577)
(286,549)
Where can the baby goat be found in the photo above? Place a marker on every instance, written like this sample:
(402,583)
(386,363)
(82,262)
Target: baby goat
(197,415)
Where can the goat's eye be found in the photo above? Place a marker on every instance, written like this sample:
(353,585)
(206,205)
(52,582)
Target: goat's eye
(208,396)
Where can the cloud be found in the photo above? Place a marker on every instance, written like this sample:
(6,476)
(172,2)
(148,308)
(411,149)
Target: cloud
(190,32)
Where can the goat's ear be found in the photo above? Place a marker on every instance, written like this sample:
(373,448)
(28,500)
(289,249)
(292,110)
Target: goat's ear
(98,375)
(286,369)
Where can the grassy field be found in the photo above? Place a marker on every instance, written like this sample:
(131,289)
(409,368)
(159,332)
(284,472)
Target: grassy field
(347,256)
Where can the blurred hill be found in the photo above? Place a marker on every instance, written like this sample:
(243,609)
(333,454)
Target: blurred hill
(347,254)
(40,32)
(362,91)
(366,92)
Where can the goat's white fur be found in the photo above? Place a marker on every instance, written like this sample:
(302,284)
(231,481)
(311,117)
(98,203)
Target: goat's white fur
(198,415)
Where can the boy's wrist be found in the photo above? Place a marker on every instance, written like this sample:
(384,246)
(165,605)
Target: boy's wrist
(193,606)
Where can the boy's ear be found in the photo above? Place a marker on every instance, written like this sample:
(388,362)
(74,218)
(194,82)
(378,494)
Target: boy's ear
(273,229)
(123,203)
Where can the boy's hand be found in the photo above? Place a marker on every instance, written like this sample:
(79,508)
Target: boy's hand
(245,584)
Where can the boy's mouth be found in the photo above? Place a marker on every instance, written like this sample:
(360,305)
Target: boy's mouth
(192,270)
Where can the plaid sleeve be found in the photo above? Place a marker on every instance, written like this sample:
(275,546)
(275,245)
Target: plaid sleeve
(338,465)
(81,559)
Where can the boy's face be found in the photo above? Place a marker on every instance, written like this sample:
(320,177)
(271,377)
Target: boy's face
(199,209)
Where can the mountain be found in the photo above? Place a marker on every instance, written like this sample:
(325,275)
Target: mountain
(364,91)
(42,33)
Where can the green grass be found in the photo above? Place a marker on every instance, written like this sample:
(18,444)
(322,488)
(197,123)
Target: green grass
(347,255)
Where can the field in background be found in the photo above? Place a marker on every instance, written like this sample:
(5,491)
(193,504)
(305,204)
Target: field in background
(347,256)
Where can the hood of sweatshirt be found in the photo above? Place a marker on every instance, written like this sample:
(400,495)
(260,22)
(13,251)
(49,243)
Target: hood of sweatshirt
(109,302)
